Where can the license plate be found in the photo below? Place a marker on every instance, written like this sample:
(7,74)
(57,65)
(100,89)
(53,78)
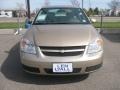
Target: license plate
(62,67)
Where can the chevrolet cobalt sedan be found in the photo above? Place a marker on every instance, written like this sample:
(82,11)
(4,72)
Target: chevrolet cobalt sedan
(61,41)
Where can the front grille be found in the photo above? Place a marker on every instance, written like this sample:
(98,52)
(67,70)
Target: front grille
(62,51)
(50,71)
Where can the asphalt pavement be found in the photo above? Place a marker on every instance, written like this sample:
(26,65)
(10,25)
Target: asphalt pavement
(107,19)
(12,77)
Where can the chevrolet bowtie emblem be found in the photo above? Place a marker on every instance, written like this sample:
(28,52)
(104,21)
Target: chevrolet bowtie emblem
(62,51)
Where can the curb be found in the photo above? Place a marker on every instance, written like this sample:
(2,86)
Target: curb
(7,31)
(109,30)
(10,31)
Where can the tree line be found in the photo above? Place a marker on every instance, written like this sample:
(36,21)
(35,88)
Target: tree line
(92,11)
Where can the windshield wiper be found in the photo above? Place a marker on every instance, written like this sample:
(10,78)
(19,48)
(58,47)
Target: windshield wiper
(43,23)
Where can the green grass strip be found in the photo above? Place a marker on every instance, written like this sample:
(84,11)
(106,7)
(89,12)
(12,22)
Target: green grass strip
(14,25)
(10,25)
(107,24)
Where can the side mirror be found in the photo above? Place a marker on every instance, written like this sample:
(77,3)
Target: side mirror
(93,20)
(28,24)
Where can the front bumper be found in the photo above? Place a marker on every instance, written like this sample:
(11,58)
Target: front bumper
(40,64)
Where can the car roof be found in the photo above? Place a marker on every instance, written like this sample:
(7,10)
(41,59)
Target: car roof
(61,6)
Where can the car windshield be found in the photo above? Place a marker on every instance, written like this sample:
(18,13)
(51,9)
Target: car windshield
(61,16)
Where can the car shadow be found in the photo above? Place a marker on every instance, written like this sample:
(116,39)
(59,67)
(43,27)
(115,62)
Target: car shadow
(112,37)
(12,70)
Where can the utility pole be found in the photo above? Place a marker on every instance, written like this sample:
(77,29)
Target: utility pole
(28,8)
(82,4)
(101,24)
(89,4)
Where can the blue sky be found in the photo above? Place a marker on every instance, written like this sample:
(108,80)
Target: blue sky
(11,4)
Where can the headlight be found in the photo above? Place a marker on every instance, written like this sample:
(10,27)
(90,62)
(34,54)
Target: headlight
(95,46)
(27,46)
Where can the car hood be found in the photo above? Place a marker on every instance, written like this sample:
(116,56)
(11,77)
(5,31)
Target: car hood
(63,35)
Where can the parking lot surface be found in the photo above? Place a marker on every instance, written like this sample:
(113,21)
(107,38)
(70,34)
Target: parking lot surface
(12,77)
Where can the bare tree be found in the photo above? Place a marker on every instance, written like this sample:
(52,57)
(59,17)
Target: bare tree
(114,4)
(75,3)
(47,3)
(20,8)
(20,12)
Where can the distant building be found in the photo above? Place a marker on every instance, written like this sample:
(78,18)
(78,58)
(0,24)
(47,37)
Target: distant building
(112,12)
(5,13)
(117,13)
(12,13)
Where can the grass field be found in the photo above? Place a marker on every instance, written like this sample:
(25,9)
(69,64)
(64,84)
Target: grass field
(107,24)
(12,25)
